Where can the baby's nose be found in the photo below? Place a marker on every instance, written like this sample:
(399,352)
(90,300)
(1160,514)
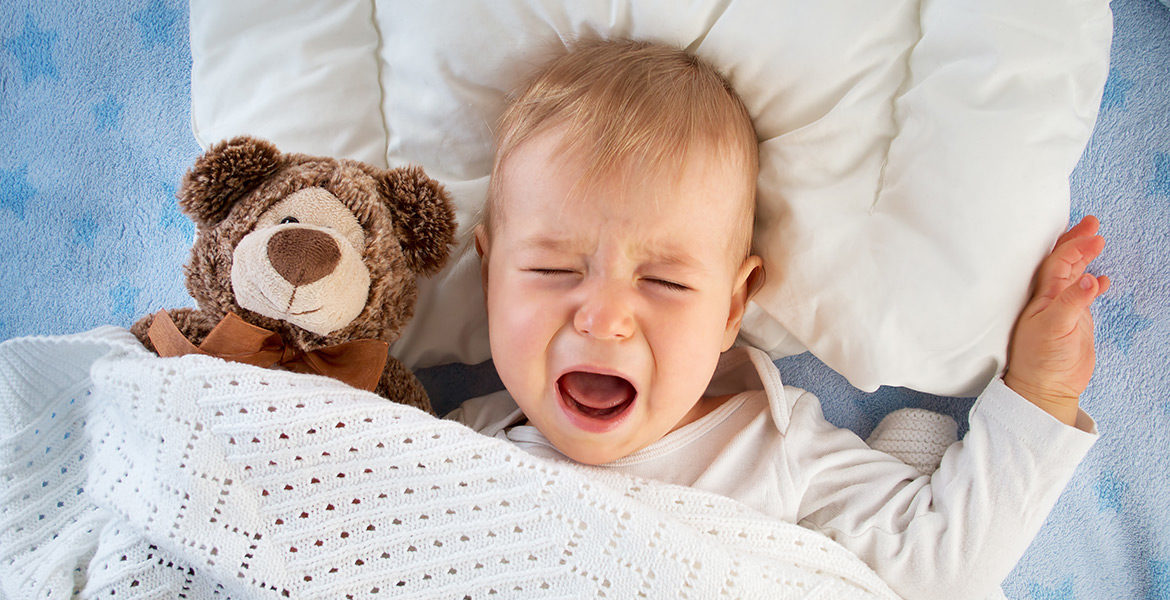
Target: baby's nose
(605,314)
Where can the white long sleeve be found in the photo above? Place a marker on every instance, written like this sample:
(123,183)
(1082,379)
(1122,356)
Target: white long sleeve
(957,533)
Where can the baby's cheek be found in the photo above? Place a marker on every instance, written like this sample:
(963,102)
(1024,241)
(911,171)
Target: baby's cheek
(515,327)
(691,352)
(514,318)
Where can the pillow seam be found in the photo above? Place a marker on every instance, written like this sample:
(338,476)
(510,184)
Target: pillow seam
(895,118)
(378,76)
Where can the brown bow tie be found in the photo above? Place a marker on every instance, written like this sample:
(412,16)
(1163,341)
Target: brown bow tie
(359,363)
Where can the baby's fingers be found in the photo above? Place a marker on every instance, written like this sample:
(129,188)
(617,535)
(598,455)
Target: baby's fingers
(1103,284)
(1073,302)
(1087,227)
(1067,264)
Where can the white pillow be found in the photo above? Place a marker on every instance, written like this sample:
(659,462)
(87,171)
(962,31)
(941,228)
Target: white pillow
(914,155)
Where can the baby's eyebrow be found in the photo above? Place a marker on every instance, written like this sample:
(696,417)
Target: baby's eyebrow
(545,242)
(663,255)
(669,256)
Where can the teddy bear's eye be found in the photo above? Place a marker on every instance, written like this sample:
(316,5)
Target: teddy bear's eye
(316,208)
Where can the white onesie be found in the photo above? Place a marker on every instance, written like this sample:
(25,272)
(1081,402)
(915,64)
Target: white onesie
(956,533)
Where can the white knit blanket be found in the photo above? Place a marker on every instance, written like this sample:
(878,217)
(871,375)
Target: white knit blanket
(127,475)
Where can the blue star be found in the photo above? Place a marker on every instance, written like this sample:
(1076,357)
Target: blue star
(84,231)
(123,299)
(1109,492)
(34,49)
(1118,321)
(108,113)
(15,190)
(158,23)
(171,216)
(1116,87)
(1160,184)
(1043,592)
(1159,580)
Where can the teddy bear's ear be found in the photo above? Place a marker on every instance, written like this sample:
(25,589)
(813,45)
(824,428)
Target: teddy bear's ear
(423,217)
(223,174)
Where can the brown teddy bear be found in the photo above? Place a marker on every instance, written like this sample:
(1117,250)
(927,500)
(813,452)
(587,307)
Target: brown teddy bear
(305,263)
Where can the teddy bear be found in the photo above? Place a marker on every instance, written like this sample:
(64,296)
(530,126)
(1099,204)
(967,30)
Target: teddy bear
(305,263)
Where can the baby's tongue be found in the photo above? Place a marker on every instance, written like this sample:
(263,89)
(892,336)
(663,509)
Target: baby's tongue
(596,391)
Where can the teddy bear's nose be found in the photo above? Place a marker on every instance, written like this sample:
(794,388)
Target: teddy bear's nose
(303,256)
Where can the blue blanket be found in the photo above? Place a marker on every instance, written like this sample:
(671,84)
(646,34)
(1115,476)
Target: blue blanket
(94,114)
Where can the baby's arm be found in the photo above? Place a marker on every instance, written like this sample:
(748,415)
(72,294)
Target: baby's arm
(955,534)
(1051,358)
(959,532)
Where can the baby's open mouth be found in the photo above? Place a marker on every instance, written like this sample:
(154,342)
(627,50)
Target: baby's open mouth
(595,395)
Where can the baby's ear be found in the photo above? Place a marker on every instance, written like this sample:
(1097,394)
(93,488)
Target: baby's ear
(224,174)
(423,218)
(748,281)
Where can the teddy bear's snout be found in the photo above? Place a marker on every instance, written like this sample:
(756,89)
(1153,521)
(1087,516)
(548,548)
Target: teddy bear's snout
(302,256)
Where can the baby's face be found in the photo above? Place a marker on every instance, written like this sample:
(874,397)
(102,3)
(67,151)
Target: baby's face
(608,310)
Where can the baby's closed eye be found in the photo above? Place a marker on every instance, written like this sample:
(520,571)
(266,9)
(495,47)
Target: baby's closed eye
(667,284)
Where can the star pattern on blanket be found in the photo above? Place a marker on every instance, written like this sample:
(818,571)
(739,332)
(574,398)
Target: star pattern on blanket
(1109,490)
(108,113)
(15,190)
(1160,183)
(158,23)
(33,49)
(171,217)
(1159,580)
(124,299)
(1064,591)
(1118,321)
(84,231)
(1116,88)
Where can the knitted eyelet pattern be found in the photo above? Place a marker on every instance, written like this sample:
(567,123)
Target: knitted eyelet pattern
(193,477)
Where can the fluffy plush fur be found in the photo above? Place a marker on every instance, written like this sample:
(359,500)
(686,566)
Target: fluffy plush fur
(406,229)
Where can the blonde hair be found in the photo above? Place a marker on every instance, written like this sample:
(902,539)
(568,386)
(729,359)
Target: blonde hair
(627,104)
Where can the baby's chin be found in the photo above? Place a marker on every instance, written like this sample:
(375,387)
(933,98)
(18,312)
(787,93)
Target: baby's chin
(583,447)
(598,448)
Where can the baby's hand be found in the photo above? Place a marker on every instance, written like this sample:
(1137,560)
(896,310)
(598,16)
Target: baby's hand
(1051,357)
